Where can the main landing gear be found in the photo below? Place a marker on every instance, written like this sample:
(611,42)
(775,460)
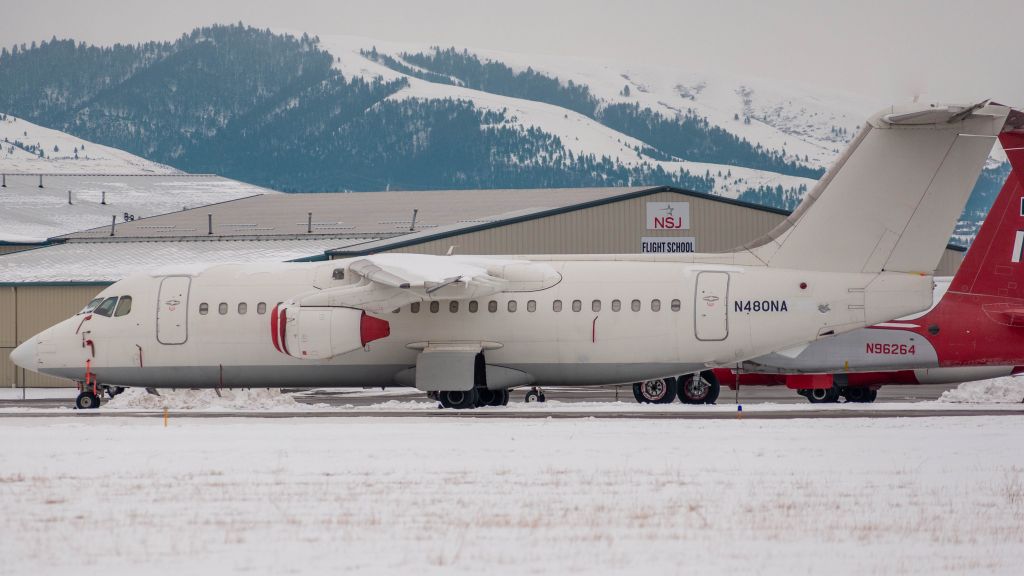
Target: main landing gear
(702,388)
(860,394)
(475,398)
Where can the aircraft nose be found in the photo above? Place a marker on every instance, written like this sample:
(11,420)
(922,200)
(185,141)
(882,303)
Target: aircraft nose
(24,356)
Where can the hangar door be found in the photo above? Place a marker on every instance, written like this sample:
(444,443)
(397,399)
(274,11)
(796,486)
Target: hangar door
(711,306)
(172,310)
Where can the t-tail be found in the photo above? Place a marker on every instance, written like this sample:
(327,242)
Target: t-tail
(994,266)
(891,201)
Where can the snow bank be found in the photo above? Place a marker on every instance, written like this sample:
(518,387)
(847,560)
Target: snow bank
(247,399)
(1008,389)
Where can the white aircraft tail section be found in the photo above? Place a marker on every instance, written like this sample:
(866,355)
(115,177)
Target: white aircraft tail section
(890,202)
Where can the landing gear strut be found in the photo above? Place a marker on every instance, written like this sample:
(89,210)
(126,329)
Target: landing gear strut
(700,388)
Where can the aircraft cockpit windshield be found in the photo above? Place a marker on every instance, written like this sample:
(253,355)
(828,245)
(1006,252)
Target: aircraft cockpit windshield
(111,306)
(90,306)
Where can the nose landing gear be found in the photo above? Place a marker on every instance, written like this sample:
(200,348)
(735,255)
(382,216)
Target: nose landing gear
(87,400)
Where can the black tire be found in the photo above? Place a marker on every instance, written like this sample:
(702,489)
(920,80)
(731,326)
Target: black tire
(870,396)
(458,399)
(855,394)
(535,395)
(657,391)
(113,390)
(823,395)
(87,401)
(701,388)
(485,397)
(496,398)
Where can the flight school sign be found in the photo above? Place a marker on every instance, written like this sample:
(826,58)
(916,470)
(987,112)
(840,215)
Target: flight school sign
(668,215)
(667,244)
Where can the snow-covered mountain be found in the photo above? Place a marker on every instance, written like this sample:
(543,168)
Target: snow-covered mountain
(28,148)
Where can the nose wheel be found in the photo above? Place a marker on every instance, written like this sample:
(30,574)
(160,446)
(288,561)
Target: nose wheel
(87,400)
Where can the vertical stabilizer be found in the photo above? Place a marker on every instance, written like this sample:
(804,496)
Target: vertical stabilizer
(994,266)
(890,202)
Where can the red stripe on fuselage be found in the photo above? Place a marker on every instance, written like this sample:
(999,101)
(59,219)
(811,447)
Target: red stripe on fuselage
(273,329)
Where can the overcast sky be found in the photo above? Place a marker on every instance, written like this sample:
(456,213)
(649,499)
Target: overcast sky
(888,50)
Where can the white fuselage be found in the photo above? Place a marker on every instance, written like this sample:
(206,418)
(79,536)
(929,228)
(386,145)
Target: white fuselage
(690,315)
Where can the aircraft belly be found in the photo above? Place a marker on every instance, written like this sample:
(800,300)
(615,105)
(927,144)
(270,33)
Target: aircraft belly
(859,350)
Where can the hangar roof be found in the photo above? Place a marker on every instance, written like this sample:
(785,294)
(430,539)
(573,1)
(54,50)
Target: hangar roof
(376,215)
(82,262)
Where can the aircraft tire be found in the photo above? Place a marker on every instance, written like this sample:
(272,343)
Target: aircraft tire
(113,390)
(657,391)
(870,396)
(535,395)
(485,397)
(823,395)
(705,393)
(498,398)
(459,399)
(859,394)
(87,401)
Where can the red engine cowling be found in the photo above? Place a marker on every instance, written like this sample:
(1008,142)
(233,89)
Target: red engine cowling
(318,333)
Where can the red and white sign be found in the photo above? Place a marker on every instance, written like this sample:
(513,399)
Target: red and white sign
(668,215)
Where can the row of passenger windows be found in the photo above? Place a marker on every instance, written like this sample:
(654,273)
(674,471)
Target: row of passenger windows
(110,306)
(242,308)
(556,306)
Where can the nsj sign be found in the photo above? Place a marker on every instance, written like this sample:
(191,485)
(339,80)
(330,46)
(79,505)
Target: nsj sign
(668,215)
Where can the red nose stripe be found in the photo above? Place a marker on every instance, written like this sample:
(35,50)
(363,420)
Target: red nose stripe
(280,326)
(273,329)
(371,329)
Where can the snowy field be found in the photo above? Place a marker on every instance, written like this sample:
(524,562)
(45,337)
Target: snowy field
(383,495)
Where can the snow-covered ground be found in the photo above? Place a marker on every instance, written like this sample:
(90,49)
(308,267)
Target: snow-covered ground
(21,141)
(1005,390)
(30,213)
(271,496)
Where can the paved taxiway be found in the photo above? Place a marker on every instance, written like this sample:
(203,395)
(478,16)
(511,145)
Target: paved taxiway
(757,403)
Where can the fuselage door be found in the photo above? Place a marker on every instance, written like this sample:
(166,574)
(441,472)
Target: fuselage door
(172,310)
(711,306)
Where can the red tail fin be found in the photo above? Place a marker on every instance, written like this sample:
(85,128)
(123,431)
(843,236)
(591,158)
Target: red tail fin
(995,263)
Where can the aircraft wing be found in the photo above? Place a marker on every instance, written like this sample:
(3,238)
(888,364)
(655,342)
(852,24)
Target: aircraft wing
(385,282)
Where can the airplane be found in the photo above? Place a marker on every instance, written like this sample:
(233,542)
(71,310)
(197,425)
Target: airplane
(859,250)
(974,330)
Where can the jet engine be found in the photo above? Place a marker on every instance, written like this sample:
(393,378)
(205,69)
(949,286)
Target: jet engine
(322,332)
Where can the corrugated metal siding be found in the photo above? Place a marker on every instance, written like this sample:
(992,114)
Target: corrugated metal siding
(611,229)
(8,336)
(8,371)
(7,249)
(40,307)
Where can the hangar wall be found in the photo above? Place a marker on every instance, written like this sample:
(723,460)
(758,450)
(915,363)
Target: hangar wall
(29,309)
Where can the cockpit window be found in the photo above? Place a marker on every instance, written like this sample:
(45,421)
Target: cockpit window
(106,308)
(91,305)
(124,306)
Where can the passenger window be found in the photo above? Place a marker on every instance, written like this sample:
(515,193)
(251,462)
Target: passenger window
(106,308)
(435,306)
(222,308)
(91,306)
(512,305)
(204,308)
(414,307)
(634,305)
(453,306)
(676,305)
(124,306)
(243,307)
(595,305)
(531,306)
(655,305)
(492,306)
(577,305)
(261,308)
(473,306)
(616,305)
(556,305)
